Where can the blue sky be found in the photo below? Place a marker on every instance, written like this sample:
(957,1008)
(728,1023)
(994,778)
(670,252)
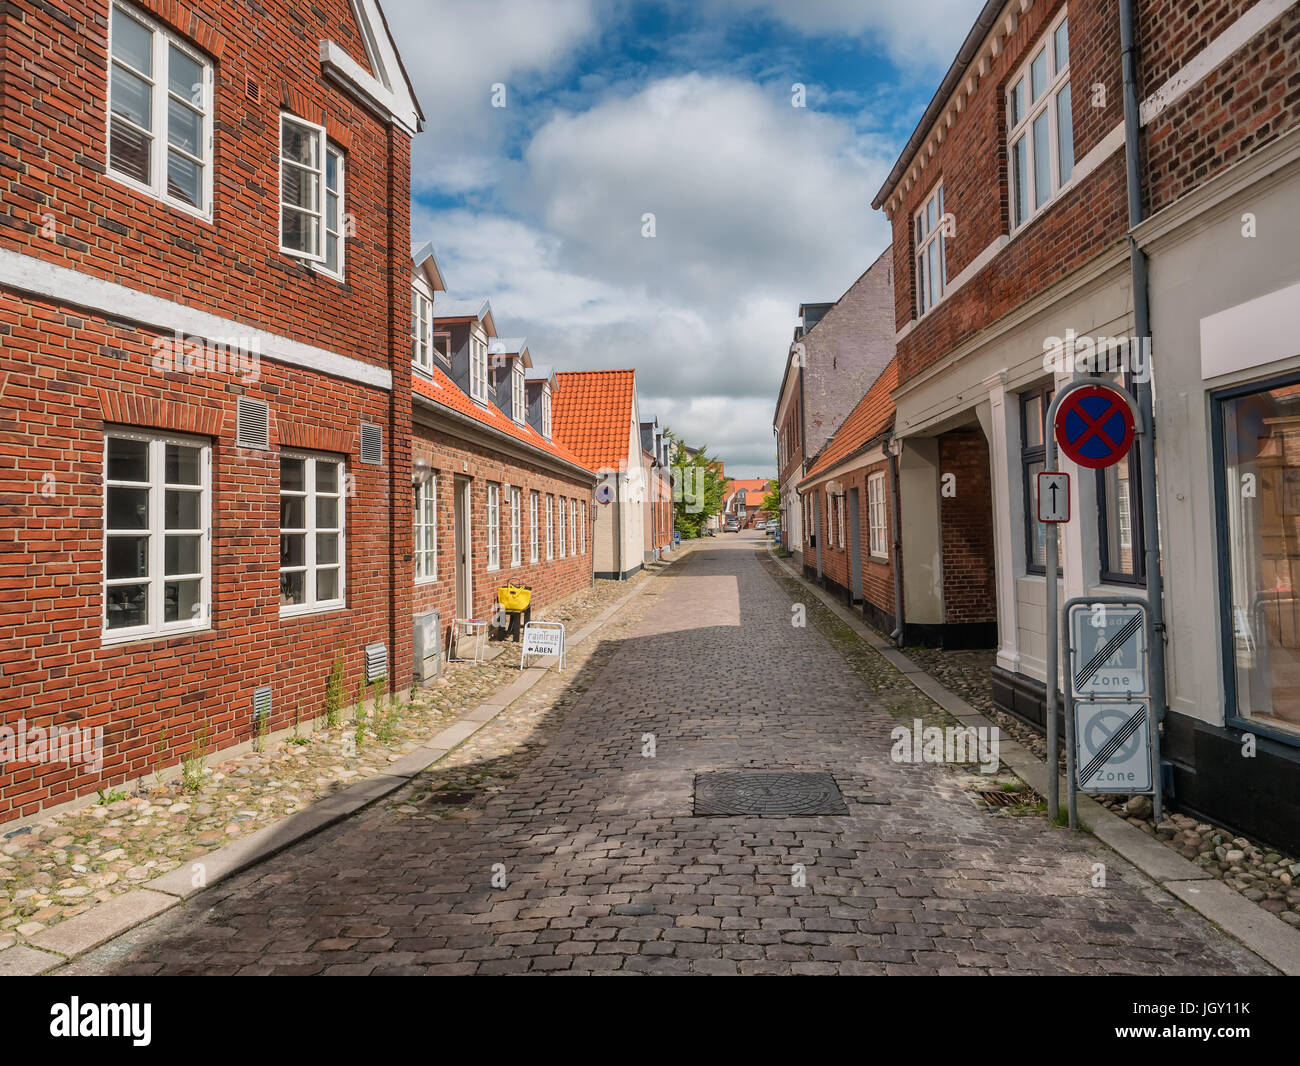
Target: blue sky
(683,110)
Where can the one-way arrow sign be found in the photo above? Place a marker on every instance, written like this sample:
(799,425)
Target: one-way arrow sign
(1053,497)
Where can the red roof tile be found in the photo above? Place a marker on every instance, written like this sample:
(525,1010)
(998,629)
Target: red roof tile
(873,415)
(442,390)
(591,415)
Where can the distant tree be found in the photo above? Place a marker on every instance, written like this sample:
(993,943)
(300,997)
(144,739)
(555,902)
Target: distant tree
(698,487)
(771,504)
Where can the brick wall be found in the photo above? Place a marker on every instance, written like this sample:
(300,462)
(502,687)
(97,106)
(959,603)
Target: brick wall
(66,374)
(966,523)
(551,581)
(877,573)
(971,162)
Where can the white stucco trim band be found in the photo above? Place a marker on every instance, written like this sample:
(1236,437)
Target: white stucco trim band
(32,275)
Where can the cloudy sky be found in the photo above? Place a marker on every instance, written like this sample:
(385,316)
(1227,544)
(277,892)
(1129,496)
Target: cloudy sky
(683,109)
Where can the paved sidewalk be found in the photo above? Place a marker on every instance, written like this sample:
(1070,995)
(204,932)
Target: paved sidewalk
(606,868)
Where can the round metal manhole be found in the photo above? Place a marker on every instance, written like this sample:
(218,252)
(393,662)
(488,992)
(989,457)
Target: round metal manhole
(767,794)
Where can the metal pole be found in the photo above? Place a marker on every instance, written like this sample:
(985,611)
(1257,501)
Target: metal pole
(1071,745)
(1146,419)
(1054,623)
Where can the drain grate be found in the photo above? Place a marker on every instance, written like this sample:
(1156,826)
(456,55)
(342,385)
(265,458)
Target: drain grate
(767,794)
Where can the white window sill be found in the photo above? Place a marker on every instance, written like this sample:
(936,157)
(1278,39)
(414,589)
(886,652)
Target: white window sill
(136,636)
(433,580)
(148,191)
(494,569)
(315,608)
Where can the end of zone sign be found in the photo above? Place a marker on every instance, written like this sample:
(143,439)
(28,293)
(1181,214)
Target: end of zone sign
(1108,651)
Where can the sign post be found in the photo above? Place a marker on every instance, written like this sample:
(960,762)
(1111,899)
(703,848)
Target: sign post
(1094,423)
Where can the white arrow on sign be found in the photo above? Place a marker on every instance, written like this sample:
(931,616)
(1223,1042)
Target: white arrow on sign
(1053,497)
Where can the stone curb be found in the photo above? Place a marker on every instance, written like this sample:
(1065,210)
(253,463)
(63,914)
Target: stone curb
(54,947)
(1260,932)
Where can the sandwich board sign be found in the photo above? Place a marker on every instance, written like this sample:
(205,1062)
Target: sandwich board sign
(1108,653)
(1113,746)
(543,638)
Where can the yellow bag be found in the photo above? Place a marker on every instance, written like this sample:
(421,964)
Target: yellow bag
(515,597)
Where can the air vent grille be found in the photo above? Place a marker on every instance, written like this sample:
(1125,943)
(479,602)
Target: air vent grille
(372,443)
(261,703)
(376,662)
(253,430)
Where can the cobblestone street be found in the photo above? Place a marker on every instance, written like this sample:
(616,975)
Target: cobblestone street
(606,868)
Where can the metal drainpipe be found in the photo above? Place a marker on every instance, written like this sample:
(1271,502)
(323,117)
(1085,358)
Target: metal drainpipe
(1142,330)
(900,621)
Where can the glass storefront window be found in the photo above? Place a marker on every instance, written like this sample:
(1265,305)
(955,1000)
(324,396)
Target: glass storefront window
(1261,523)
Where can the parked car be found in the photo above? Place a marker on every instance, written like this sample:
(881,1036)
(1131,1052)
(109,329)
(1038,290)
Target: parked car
(760,525)
(733,527)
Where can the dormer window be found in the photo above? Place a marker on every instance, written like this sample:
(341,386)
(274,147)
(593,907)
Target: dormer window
(478,366)
(518,404)
(442,347)
(421,330)
(546,411)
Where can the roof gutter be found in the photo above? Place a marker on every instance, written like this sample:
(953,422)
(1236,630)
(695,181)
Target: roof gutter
(966,55)
(509,442)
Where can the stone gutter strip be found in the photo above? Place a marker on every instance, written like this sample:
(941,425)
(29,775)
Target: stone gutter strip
(1259,931)
(60,944)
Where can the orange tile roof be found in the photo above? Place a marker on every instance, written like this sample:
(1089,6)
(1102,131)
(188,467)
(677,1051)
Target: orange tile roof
(591,415)
(753,484)
(873,415)
(442,390)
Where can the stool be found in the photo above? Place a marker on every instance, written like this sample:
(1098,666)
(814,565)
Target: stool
(471,627)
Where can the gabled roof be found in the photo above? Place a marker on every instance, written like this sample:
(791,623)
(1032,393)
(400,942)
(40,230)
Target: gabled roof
(512,346)
(385,85)
(441,390)
(873,415)
(451,309)
(422,255)
(591,415)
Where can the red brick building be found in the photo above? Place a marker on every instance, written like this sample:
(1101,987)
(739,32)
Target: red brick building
(1017,261)
(202,452)
(495,499)
(848,503)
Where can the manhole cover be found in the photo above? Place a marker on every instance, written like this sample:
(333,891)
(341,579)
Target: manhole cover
(767,795)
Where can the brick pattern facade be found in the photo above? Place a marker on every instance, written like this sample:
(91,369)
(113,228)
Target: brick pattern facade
(450,458)
(877,571)
(66,374)
(966,524)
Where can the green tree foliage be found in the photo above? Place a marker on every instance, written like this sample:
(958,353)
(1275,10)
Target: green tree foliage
(772,501)
(698,487)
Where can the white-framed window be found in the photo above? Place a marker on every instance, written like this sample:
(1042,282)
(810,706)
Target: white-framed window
(516,536)
(839,520)
(573,527)
(157,534)
(876,539)
(550,526)
(442,347)
(478,367)
(421,329)
(1040,125)
(311,195)
(563,518)
(582,529)
(931,252)
(532,527)
(426,529)
(493,526)
(518,399)
(159,112)
(546,411)
(311,532)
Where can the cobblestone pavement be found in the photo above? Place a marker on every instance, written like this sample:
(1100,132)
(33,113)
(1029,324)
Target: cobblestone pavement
(606,868)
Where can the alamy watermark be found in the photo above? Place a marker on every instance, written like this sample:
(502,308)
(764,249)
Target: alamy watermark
(1098,355)
(180,353)
(68,745)
(957,745)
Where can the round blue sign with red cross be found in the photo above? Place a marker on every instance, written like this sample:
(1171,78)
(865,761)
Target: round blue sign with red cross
(1094,426)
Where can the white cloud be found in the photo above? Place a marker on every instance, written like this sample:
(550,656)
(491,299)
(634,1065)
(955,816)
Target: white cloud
(924,31)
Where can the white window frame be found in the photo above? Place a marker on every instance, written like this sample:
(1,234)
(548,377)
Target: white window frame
(516,507)
(159,98)
(324,150)
(573,527)
(877,537)
(309,568)
(156,532)
(493,511)
(839,520)
(532,526)
(478,367)
(518,386)
(421,330)
(564,513)
(582,529)
(1022,126)
(426,530)
(550,527)
(930,261)
(546,411)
